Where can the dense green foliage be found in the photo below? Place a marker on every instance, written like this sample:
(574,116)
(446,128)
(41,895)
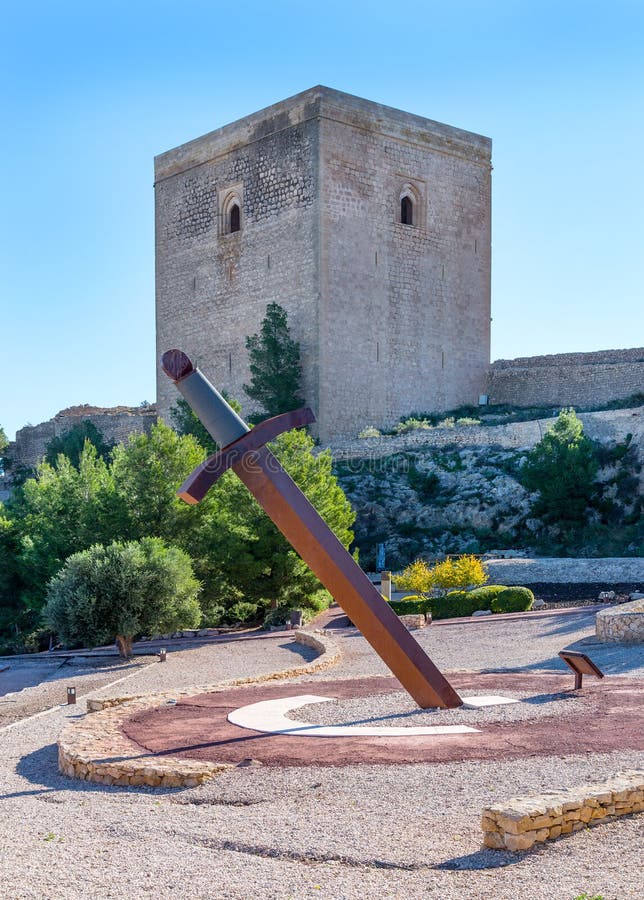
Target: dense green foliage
(3,441)
(238,555)
(455,604)
(562,467)
(275,366)
(115,592)
(72,442)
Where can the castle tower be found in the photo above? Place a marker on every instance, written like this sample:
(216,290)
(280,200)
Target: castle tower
(369,225)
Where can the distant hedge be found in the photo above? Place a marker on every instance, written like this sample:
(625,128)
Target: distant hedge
(514,599)
(457,604)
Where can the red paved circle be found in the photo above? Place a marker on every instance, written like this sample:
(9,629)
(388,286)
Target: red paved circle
(196,727)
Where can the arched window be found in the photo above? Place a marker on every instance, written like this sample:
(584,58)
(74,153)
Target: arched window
(231,202)
(234,218)
(406,211)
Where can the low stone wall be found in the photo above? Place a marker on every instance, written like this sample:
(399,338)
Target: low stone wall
(606,426)
(623,624)
(525,821)
(95,748)
(626,570)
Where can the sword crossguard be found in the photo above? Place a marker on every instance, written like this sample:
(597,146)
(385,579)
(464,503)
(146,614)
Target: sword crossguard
(199,482)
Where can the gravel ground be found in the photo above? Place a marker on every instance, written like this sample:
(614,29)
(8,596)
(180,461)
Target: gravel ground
(507,645)
(397,708)
(86,677)
(385,831)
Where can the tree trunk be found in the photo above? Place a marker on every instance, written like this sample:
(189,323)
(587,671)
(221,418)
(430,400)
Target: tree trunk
(125,646)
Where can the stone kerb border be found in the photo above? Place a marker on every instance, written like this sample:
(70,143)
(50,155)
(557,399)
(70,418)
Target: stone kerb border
(524,821)
(623,624)
(95,749)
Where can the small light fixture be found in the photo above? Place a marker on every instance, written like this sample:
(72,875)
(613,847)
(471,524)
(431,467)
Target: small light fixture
(162,654)
(71,695)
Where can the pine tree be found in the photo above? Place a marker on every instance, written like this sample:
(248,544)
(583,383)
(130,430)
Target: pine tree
(562,467)
(275,365)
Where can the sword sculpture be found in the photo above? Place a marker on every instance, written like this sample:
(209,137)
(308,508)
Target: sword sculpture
(244,451)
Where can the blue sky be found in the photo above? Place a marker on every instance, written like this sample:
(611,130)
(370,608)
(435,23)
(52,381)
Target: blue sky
(92,91)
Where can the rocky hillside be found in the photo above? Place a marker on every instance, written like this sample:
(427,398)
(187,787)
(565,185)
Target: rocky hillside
(456,498)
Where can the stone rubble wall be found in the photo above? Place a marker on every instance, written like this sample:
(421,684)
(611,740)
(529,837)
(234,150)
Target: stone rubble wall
(622,624)
(95,748)
(522,822)
(115,425)
(567,379)
(606,426)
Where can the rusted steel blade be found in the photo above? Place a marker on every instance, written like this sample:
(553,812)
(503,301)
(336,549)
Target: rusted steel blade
(198,483)
(306,531)
(311,537)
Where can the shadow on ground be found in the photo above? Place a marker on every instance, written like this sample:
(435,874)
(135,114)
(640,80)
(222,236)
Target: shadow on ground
(612,659)
(40,768)
(482,859)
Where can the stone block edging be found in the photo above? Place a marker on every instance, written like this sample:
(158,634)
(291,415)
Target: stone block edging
(623,624)
(95,748)
(524,821)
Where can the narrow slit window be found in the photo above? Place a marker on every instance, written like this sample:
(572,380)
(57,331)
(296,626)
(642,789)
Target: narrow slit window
(234,218)
(406,211)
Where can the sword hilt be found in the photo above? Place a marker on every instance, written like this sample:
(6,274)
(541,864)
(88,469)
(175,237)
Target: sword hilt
(223,424)
(197,484)
(218,417)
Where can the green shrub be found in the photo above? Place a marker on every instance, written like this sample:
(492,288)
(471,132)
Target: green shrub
(411,424)
(513,599)
(487,593)
(369,432)
(242,611)
(37,641)
(214,616)
(410,606)
(457,604)
(119,591)
(282,615)
(276,617)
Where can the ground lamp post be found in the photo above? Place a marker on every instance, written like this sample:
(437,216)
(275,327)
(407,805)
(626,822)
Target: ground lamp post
(245,452)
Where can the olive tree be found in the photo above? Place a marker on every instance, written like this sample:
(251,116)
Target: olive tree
(115,592)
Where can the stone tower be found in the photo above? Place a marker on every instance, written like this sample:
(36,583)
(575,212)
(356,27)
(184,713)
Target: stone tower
(369,225)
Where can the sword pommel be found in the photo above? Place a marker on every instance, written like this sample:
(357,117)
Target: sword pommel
(176,364)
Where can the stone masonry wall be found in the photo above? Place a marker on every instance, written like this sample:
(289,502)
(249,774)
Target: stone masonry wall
(213,287)
(405,309)
(567,379)
(114,424)
(623,624)
(523,822)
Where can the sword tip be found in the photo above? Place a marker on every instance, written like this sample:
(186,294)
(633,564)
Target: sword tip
(176,364)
